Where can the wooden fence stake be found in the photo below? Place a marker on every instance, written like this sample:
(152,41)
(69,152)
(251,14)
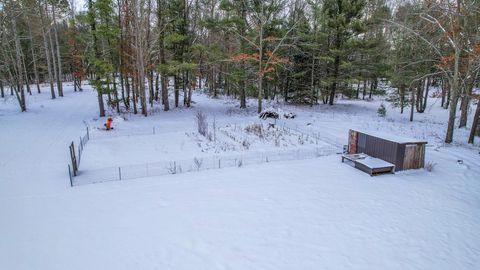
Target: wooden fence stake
(70,175)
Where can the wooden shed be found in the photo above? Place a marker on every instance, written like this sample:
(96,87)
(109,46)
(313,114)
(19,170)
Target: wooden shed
(404,153)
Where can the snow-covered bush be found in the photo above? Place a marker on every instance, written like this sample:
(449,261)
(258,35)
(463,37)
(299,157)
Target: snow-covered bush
(246,144)
(382,111)
(276,113)
(270,113)
(289,115)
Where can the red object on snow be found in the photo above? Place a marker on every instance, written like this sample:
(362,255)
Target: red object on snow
(109,123)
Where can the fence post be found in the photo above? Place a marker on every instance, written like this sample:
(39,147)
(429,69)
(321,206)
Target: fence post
(119,173)
(74,159)
(88,134)
(219,166)
(79,156)
(70,175)
(153,130)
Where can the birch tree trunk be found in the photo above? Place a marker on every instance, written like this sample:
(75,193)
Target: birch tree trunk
(27,81)
(54,61)
(47,54)
(453,98)
(59,58)
(34,59)
(18,54)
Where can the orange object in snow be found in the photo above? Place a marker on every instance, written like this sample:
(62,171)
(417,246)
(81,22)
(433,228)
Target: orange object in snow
(109,123)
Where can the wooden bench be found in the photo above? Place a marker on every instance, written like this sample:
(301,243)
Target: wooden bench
(368,164)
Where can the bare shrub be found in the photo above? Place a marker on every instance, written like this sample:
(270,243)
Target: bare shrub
(256,129)
(301,140)
(202,124)
(240,163)
(277,139)
(172,169)
(246,144)
(430,166)
(198,163)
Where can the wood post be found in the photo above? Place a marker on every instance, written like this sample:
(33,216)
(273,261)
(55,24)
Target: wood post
(70,175)
(74,159)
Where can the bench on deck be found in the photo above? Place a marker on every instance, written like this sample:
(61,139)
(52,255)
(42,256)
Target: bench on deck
(368,164)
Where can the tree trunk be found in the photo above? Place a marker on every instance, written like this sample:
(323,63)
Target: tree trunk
(161,43)
(260,66)
(364,93)
(54,62)
(157,86)
(465,104)
(47,53)
(189,100)
(126,100)
(427,87)
(371,90)
(413,103)
(448,92)
(358,90)
(475,125)
(101,106)
(335,77)
(2,91)
(243,85)
(135,92)
(59,58)
(32,50)
(454,98)
(184,87)
(115,93)
(444,93)
(419,99)
(18,52)
(312,80)
(27,81)
(176,90)
(401,93)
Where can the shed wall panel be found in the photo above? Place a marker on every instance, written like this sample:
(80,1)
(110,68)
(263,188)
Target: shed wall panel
(390,151)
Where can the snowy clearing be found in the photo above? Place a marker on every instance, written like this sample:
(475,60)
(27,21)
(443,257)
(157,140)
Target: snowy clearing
(314,213)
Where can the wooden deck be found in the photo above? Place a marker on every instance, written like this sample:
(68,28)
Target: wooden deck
(370,165)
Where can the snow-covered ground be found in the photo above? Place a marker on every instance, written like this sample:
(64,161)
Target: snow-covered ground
(299,214)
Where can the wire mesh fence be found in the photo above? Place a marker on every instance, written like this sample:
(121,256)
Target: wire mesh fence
(81,145)
(196,164)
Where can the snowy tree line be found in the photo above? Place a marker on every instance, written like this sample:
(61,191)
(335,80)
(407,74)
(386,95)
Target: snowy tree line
(298,51)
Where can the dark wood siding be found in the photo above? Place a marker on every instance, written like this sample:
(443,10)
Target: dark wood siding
(383,149)
(390,151)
